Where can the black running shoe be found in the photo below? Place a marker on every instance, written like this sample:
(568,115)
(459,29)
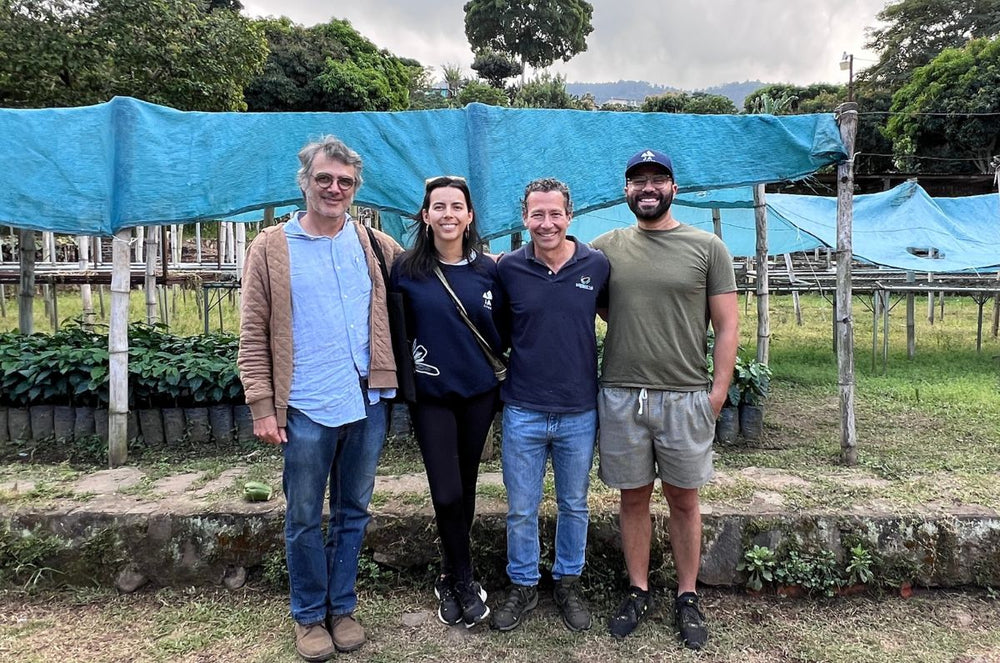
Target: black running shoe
(449,608)
(472,597)
(632,610)
(689,621)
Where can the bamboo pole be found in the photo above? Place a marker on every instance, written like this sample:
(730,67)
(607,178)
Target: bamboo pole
(50,290)
(121,272)
(795,293)
(847,118)
(140,243)
(996,311)
(241,247)
(26,294)
(911,324)
(763,294)
(930,300)
(150,282)
(86,296)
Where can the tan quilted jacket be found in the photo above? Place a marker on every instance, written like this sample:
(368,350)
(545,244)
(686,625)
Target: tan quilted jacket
(265,356)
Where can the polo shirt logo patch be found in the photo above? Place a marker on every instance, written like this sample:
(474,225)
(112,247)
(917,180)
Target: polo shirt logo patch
(488,300)
(584,283)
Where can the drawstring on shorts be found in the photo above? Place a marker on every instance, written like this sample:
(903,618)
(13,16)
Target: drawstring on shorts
(643,396)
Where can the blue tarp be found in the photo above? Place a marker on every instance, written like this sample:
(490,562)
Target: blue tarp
(96,169)
(889,228)
(896,228)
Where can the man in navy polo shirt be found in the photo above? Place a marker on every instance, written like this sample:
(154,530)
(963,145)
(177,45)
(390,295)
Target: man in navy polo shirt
(552,285)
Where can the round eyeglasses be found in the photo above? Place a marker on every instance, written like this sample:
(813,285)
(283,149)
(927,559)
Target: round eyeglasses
(325,180)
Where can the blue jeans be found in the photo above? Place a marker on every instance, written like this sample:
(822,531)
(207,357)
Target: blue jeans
(322,571)
(529,437)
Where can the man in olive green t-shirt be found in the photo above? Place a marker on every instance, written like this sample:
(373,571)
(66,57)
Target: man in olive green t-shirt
(658,404)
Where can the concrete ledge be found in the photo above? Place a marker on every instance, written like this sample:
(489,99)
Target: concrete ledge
(179,542)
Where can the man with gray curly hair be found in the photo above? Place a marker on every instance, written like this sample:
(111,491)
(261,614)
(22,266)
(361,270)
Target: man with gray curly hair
(317,367)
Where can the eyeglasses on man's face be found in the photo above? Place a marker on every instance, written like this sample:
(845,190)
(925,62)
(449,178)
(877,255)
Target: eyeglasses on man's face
(325,180)
(658,181)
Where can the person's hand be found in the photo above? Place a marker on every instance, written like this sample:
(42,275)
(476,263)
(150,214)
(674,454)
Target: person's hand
(266,428)
(717,399)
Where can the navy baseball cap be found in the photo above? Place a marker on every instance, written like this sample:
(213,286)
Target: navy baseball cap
(650,156)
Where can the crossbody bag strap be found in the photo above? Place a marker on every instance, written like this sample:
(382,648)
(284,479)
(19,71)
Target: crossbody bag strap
(379,256)
(494,361)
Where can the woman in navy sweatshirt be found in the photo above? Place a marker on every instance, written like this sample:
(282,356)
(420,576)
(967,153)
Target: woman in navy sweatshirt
(457,391)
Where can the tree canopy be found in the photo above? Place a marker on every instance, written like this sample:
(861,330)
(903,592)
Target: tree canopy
(327,67)
(177,53)
(545,91)
(955,86)
(535,32)
(698,103)
(915,31)
(495,68)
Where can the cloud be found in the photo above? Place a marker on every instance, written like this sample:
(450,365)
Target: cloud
(688,44)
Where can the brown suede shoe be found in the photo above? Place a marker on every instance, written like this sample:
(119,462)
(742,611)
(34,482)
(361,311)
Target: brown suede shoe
(347,633)
(313,642)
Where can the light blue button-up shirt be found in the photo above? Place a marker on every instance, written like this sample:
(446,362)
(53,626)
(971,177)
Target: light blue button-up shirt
(331,294)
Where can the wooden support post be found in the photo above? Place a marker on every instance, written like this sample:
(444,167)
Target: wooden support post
(268,217)
(86,297)
(26,293)
(3,302)
(847,118)
(118,351)
(876,303)
(241,248)
(515,241)
(763,283)
(197,243)
(886,305)
(996,311)
(100,300)
(140,244)
(149,285)
(795,293)
(717,222)
(54,306)
(930,299)
(911,325)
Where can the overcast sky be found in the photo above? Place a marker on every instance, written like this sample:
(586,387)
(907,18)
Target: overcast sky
(687,44)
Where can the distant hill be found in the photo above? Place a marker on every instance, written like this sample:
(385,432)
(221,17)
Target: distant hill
(637,91)
(737,92)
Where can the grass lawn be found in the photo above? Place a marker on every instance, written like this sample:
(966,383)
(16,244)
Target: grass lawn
(252,625)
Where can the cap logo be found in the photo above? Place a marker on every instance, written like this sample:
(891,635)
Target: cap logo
(648,156)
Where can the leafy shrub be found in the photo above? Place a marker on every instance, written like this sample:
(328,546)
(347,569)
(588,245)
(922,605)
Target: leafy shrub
(70,367)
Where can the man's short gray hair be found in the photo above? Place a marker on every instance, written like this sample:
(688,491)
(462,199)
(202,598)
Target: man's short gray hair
(544,185)
(333,148)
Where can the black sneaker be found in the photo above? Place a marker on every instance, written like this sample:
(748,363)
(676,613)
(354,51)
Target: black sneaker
(689,621)
(572,606)
(449,608)
(632,610)
(472,597)
(521,599)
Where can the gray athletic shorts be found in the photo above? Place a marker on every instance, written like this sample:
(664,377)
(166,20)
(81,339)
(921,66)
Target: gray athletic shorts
(647,432)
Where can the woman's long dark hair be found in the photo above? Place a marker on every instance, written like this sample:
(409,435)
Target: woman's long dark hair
(419,261)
